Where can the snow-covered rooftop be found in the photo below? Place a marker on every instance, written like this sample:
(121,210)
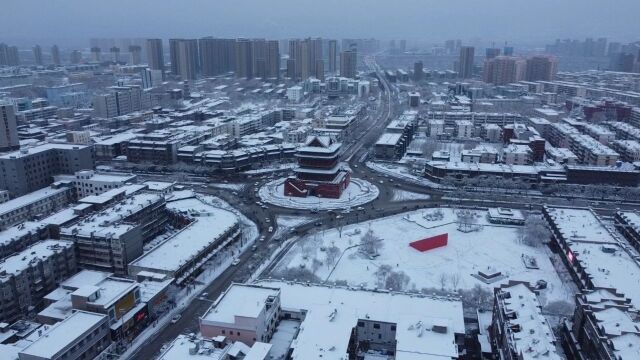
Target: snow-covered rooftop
(60,335)
(609,260)
(30,198)
(535,339)
(239,300)
(322,335)
(39,251)
(210,223)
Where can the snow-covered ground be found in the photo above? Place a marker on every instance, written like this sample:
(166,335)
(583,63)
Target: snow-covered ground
(286,222)
(358,192)
(401,171)
(275,167)
(492,248)
(403,195)
(230,187)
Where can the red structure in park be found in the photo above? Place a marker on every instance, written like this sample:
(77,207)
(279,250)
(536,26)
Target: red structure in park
(319,172)
(430,243)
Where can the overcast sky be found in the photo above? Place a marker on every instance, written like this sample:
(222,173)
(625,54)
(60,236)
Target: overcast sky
(425,20)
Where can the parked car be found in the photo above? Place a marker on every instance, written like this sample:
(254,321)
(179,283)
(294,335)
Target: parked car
(235,262)
(176,318)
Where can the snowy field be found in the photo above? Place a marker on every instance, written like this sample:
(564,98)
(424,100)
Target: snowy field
(490,249)
(401,171)
(286,222)
(227,186)
(358,192)
(403,195)
(270,169)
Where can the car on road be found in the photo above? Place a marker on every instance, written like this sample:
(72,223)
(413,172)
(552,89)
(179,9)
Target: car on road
(318,223)
(204,295)
(176,318)
(262,238)
(360,208)
(381,182)
(270,229)
(235,262)
(254,248)
(264,206)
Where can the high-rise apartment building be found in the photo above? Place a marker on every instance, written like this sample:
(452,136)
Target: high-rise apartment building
(155,54)
(306,53)
(115,54)
(465,64)
(418,71)
(319,69)
(333,55)
(244,59)
(95,54)
(541,68)
(508,51)
(273,59)
(37,55)
(259,58)
(76,57)
(348,63)
(8,128)
(492,53)
(217,56)
(9,55)
(55,55)
(504,70)
(184,58)
(135,54)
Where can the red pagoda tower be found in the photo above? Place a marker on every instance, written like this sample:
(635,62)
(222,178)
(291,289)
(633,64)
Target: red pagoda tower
(319,172)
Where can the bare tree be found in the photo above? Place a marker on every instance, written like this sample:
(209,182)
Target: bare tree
(455,280)
(340,227)
(382,273)
(297,274)
(444,278)
(397,281)
(370,244)
(315,265)
(332,255)
(535,232)
(477,297)
(466,220)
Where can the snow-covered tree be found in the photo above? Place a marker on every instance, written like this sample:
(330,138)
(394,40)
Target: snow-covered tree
(333,252)
(370,244)
(535,231)
(397,281)
(466,220)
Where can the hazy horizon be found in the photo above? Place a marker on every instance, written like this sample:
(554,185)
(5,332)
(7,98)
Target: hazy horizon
(542,21)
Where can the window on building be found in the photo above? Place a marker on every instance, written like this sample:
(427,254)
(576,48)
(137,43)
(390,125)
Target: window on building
(376,326)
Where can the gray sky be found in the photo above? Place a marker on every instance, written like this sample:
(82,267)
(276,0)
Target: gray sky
(427,20)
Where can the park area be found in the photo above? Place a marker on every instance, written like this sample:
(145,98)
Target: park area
(468,252)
